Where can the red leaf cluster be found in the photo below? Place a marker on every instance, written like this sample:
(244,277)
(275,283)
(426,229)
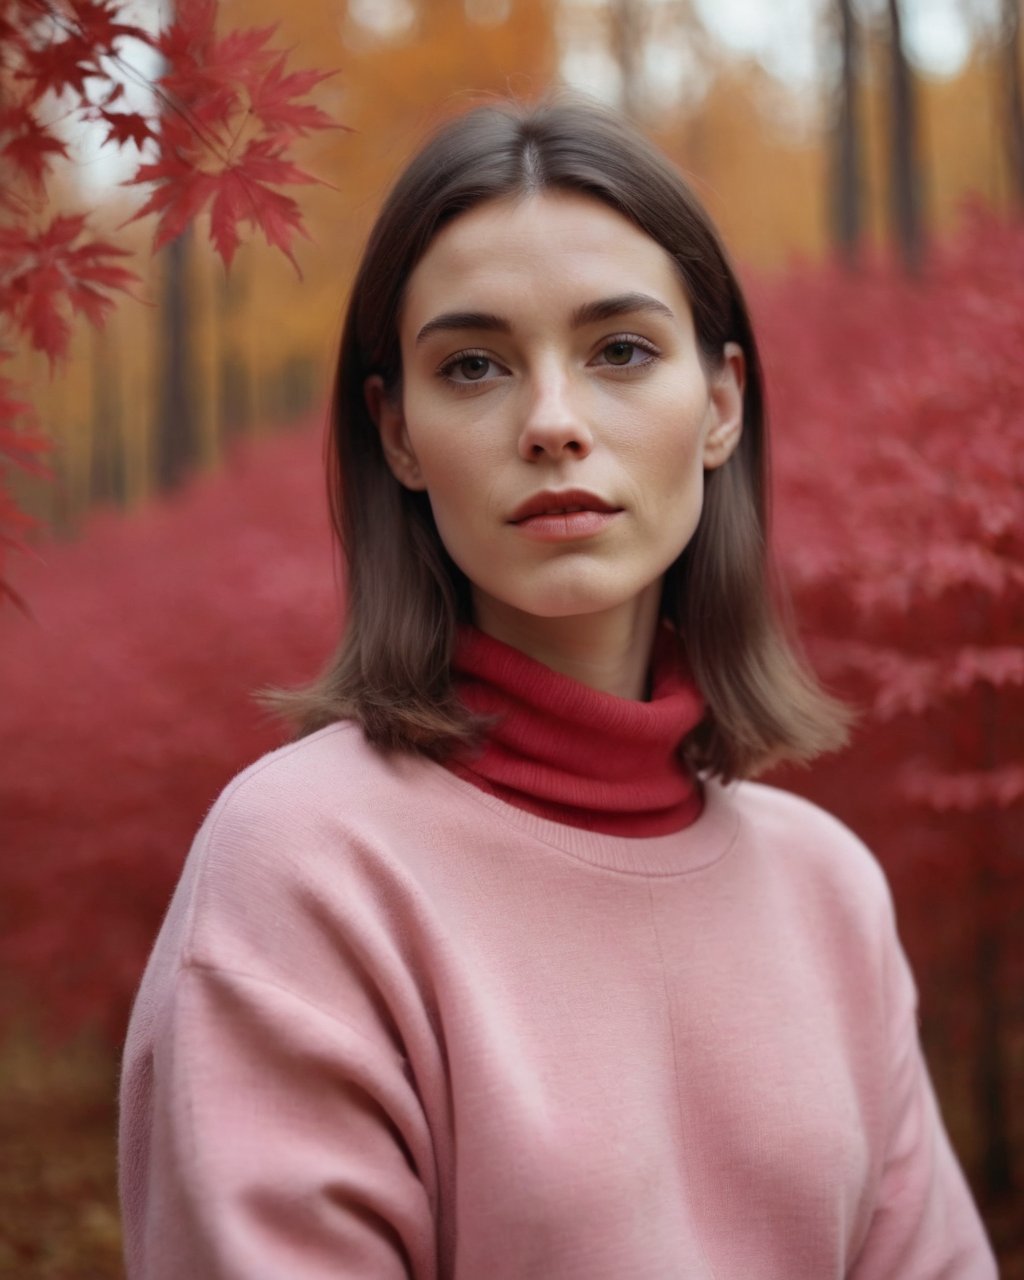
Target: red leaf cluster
(47,275)
(60,44)
(21,446)
(225,114)
(901,477)
(28,149)
(899,413)
(128,705)
(230,114)
(52,49)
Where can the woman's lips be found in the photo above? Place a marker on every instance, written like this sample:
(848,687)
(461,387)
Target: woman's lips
(560,501)
(559,515)
(559,526)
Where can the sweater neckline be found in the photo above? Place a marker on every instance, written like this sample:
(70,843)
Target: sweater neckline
(570,754)
(696,848)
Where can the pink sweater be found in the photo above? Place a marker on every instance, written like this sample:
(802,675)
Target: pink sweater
(395,1027)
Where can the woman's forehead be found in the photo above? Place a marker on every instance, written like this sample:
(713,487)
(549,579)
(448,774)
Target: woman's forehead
(552,249)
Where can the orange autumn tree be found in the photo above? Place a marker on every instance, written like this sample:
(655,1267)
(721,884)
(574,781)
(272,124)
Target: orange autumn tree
(225,111)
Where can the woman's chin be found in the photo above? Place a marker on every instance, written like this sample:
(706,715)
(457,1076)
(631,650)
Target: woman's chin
(563,601)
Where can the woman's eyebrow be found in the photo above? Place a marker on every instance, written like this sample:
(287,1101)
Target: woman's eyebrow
(620,304)
(587,313)
(464,320)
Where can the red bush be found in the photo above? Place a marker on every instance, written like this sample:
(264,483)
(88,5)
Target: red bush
(128,706)
(900,508)
(900,519)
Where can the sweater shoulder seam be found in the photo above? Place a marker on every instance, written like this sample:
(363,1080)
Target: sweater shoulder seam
(191,965)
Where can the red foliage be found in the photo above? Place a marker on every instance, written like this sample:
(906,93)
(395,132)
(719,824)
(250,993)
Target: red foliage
(224,118)
(127,705)
(223,143)
(901,474)
(23,447)
(900,508)
(45,274)
(28,147)
(125,127)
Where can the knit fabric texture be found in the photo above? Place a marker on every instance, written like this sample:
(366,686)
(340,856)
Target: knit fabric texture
(395,1028)
(564,751)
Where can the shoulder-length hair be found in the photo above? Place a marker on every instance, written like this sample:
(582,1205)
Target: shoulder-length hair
(392,672)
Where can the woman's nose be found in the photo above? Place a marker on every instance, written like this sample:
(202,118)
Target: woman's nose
(553,426)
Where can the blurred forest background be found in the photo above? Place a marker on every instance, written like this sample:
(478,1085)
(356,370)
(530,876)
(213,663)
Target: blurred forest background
(865,160)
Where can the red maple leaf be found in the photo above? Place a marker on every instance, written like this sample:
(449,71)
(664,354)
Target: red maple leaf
(239,192)
(242,197)
(190,35)
(30,147)
(264,161)
(279,218)
(242,55)
(217,91)
(182,191)
(197,166)
(99,25)
(45,275)
(203,73)
(271,99)
(58,65)
(125,127)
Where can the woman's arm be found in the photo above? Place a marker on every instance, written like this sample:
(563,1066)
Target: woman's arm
(925,1225)
(264,1139)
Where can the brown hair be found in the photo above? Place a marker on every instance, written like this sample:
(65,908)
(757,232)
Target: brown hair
(392,671)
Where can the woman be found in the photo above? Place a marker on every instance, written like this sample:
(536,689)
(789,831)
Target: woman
(496,972)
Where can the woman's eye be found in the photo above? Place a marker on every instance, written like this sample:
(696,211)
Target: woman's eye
(619,353)
(623,354)
(473,368)
(469,368)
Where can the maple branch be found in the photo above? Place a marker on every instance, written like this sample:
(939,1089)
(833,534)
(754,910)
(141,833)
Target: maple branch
(208,94)
(172,104)
(245,118)
(139,79)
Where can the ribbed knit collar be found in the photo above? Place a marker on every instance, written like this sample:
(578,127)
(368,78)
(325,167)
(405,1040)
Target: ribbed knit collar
(564,751)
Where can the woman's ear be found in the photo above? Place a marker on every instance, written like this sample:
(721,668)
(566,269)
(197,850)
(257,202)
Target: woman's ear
(725,422)
(385,412)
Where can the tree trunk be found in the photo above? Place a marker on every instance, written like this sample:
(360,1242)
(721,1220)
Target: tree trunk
(627,49)
(107,481)
(176,435)
(846,166)
(1013,99)
(176,446)
(990,1084)
(990,1076)
(904,160)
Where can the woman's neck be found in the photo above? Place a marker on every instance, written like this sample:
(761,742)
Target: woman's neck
(608,651)
(577,755)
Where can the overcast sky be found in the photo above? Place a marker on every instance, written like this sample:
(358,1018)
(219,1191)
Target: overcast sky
(784,35)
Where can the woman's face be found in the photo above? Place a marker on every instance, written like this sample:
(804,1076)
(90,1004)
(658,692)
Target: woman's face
(555,408)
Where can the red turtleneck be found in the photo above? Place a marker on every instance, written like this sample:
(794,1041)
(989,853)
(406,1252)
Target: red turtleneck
(570,753)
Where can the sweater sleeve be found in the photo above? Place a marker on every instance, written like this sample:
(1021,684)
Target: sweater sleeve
(925,1225)
(274,1141)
